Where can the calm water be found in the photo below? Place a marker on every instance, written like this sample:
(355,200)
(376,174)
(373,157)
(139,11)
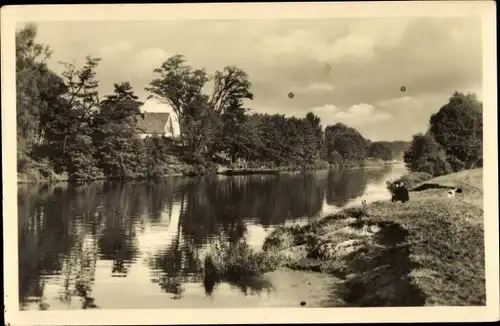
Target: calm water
(136,244)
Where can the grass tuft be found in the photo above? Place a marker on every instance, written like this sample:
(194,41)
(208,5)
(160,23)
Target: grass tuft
(227,261)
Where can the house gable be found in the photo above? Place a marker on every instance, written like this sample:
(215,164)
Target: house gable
(153,123)
(169,128)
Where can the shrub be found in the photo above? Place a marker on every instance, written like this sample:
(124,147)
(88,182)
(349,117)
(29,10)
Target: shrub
(30,170)
(83,167)
(426,155)
(238,260)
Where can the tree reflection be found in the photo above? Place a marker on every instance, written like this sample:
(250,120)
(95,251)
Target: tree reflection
(219,208)
(252,285)
(178,263)
(377,175)
(64,230)
(344,185)
(116,242)
(223,203)
(45,237)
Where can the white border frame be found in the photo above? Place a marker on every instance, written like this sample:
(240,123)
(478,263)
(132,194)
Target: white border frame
(10,15)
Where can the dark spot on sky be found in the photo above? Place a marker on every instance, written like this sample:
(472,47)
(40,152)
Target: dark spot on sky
(328,68)
(291,95)
(403,88)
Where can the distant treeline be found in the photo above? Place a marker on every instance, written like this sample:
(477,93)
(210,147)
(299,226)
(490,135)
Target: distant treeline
(397,148)
(66,130)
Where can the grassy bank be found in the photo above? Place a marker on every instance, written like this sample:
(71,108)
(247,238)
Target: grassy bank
(428,251)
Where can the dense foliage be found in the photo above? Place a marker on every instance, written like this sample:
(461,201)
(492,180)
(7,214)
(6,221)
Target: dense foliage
(397,148)
(66,129)
(454,141)
(380,150)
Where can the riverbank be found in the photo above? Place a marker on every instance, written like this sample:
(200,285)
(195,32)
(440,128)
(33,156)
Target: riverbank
(428,251)
(43,172)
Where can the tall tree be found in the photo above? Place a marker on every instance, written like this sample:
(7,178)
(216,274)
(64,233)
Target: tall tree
(346,141)
(70,132)
(113,129)
(199,115)
(458,128)
(180,86)
(313,135)
(81,101)
(231,87)
(231,137)
(36,87)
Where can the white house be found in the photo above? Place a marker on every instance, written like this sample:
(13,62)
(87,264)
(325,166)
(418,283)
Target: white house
(157,124)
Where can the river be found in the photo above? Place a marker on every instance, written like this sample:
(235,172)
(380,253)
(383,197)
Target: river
(135,245)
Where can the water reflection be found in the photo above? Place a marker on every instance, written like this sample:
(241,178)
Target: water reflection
(125,245)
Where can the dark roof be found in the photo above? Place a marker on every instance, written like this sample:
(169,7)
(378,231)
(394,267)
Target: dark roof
(153,122)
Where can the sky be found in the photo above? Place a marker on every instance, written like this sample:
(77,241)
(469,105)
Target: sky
(343,69)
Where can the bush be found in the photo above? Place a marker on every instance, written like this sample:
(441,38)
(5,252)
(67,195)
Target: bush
(318,164)
(41,170)
(378,150)
(83,167)
(426,155)
(232,261)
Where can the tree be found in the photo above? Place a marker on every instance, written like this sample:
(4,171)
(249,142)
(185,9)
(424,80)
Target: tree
(34,82)
(231,86)
(335,158)
(313,136)
(397,147)
(345,140)
(155,154)
(380,151)
(113,129)
(231,137)
(274,146)
(69,134)
(181,87)
(426,155)
(458,128)
(80,101)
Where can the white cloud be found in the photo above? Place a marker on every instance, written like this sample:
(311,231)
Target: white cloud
(298,42)
(145,61)
(356,115)
(364,39)
(115,48)
(360,43)
(314,87)
(367,60)
(350,48)
(403,102)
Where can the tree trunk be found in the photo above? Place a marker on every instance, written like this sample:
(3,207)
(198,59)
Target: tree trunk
(64,144)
